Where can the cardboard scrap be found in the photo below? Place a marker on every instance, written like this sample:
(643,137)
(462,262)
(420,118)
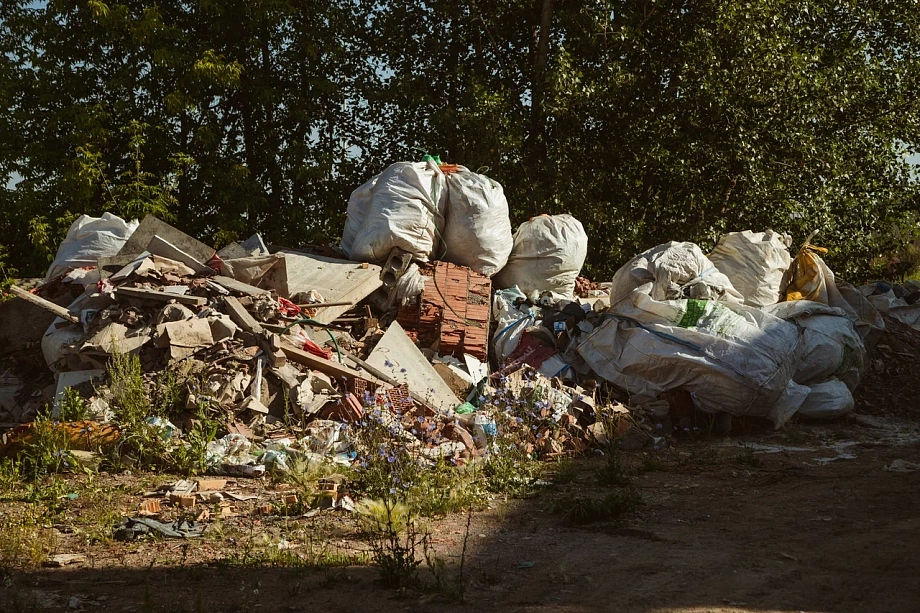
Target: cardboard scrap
(184,337)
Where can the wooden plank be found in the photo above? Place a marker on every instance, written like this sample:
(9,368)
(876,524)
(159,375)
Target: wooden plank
(45,304)
(237,286)
(340,281)
(241,316)
(151,226)
(328,367)
(150,294)
(397,354)
(271,345)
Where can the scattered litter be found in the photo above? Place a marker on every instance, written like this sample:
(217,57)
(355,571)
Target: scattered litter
(65,559)
(133,527)
(902,466)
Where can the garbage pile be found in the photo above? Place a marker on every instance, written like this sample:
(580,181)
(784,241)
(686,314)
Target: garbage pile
(435,316)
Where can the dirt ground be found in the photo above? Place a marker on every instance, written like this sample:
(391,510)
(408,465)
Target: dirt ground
(814,518)
(805,520)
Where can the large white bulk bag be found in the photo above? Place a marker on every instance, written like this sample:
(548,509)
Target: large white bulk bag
(88,239)
(477,232)
(548,254)
(731,358)
(831,346)
(675,270)
(402,207)
(827,400)
(755,264)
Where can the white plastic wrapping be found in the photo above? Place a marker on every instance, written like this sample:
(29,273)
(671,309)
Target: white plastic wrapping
(731,358)
(548,254)
(831,346)
(827,400)
(511,321)
(88,239)
(675,270)
(754,263)
(477,232)
(402,207)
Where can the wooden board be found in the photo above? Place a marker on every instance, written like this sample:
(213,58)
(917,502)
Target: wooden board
(45,304)
(398,357)
(328,367)
(336,280)
(149,294)
(241,316)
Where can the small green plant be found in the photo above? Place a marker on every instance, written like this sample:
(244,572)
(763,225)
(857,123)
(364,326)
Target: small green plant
(564,471)
(614,506)
(23,540)
(129,396)
(650,464)
(396,540)
(746,455)
(190,458)
(45,450)
(72,406)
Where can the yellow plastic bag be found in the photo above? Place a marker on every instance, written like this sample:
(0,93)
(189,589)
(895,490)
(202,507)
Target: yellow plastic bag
(810,277)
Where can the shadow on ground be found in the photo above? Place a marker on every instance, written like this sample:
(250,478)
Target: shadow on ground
(795,532)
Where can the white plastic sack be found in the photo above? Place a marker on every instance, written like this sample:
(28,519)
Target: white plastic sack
(869,322)
(477,231)
(511,321)
(731,358)
(88,239)
(754,263)
(831,346)
(403,207)
(548,254)
(827,400)
(675,270)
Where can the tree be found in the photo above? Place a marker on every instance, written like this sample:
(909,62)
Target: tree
(650,121)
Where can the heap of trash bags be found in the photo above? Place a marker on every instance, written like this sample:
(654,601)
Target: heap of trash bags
(430,275)
(748,330)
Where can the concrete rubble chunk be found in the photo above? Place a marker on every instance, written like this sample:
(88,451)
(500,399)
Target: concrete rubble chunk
(397,355)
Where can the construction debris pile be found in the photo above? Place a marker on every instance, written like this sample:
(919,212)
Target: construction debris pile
(436,316)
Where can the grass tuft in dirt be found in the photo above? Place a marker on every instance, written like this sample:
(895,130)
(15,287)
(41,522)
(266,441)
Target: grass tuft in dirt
(616,505)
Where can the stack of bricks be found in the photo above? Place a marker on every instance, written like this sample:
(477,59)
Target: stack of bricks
(452,314)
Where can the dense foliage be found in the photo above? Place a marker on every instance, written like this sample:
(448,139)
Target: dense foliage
(650,120)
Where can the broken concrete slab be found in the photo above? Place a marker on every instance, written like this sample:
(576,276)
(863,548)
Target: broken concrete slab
(22,324)
(151,226)
(398,356)
(233,285)
(336,280)
(233,251)
(254,245)
(161,247)
(241,316)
